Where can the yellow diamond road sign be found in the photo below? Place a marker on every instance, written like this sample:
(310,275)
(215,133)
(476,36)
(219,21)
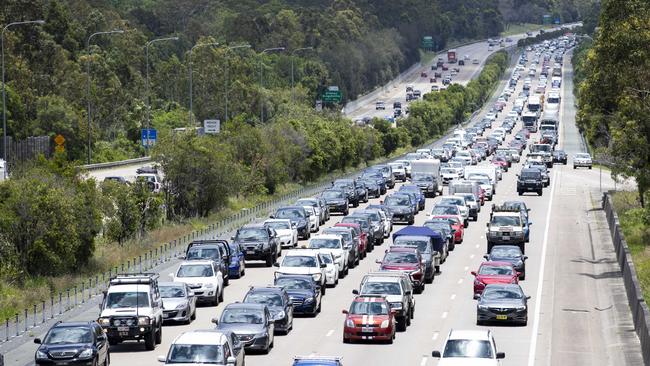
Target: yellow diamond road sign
(59,140)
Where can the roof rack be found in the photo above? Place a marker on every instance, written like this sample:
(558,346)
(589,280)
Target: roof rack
(142,278)
(505,208)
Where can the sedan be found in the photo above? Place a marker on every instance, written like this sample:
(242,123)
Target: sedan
(511,254)
(502,303)
(582,160)
(493,272)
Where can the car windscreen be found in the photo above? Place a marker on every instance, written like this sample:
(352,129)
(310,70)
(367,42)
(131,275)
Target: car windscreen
(381,288)
(369,308)
(278,225)
(397,201)
(196,354)
(400,257)
(298,261)
(495,270)
(467,348)
(422,178)
(531,175)
(448,171)
(293,283)
(453,201)
(438,225)
(172,291)
(253,234)
(423,245)
(506,221)
(195,270)
(356,220)
(322,243)
(268,298)
(502,251)
(333,194)
(289,213)
(68,335)
(326,258)
(347,236)
(583,156)
(243,315)
(307,203)
(500,293)
(117,300)
(202,253)
(445,210)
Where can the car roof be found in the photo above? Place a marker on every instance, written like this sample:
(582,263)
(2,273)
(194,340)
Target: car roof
(253,226)
(197,262)
(470,334)
(302,252)
(326,236)
(266,289)
(202,337)
(73,324)
(246,305)
(496,263)
(397,248)
(506,213)
(366,298)
(175,284)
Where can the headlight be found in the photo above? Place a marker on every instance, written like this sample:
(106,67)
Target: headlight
(144,320)
(262,334)
(104,321)
(280,315)
(482,307)
(87,353)
(181,306)
(478,282)
(520,308)
(41,355)
(316,276)
(384,324)
(309,300)
(208,285)
(349,323)
(396,305)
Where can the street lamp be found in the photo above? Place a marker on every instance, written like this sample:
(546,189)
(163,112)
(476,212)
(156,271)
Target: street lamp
(226,74)
(190,67)
(292,53)
(261,85)
(4,96)
(117,31)
(146,51)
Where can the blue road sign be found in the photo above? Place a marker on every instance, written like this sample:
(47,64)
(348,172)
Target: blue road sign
(149,136)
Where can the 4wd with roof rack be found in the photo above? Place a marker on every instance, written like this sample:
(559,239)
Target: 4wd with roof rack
(506,227)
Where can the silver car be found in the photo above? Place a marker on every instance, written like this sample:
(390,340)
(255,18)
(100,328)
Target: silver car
(582,160)
(502,303)
(179,302)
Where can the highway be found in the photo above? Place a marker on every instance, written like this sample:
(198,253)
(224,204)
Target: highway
(569,323)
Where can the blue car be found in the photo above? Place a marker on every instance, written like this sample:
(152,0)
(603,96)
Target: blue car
(303,291)
(412,188)
(317,361)
(237,266)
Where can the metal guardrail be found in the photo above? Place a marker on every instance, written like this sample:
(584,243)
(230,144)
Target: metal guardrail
(112,164)
(638,306)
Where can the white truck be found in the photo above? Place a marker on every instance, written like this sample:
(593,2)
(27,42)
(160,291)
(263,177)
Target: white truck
(428,166)
(490,171)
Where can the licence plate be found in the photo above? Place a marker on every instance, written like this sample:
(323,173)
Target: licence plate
(366,330)
(250,252)
(502,317)
(506,238)
(122,329)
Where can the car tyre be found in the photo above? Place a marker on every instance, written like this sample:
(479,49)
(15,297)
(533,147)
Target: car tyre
(193,316)
(150,342)
(401,325)
(269,260)
(159,335)
(220,296)
(540,192)
(346,340)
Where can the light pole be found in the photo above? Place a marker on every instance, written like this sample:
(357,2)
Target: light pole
(226,74)
(190,67)
(146,51)
(292,53)
(4,96)
(117,31)
(261,81)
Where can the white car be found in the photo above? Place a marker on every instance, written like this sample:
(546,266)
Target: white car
(287,233)
(205,347)
(465,155)
(305,262)
(484,183)
(203,277)
(469,348)
(449,174)
(313,202)
(152,180)
(331,269)
(314,219)
(334,245)
(458,201)
(583,160)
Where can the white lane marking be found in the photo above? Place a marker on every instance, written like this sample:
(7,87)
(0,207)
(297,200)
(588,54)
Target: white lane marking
(538,296)
(423,362)
(329,334)
(471,256)
(453,296)
(444,315)
(435,335)
(466,268)
(478,246)
(460,281)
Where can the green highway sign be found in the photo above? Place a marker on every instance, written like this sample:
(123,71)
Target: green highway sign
(332,95)
(427,43)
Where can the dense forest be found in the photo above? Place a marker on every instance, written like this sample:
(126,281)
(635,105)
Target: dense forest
(355,45)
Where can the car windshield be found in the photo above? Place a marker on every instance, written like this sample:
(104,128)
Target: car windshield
(68,335)
(318,243)
(438,225)
(172,291)
(381,288)
(445,210)
(453,201)
(347,237)
(332,194)
(116,300)
(482,181)
(422,178)
(506,221)
(268,298)
(501,294)
(195,270)
(530,175)
(448,171)
(279,225)
(293,283)
(495,270)
(252,234)
(247,316)
(501,251)
(400,257)
(196,353)
(289,213)
(397,201)
(202,253)
(423,245)
(583,156)
(307,203)
(298,261)
(369,308)
(468,348)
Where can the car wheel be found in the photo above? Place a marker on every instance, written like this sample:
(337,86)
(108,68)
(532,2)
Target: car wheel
(193,316)
(520,193)
(401,325)
(322,289)
(221,295)
(412,221)
(320,307)
(269,260)
(574,167)
(159,335)
(346,340)
(215,301)
(150,341)
(466,224)
(226,281)
(540,192)
(589,168)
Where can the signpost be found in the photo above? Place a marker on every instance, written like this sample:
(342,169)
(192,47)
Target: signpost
(332,95)
(59,140)
(211,126)
(427,43)
(149,136)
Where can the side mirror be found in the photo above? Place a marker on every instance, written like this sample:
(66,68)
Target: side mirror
(408,293)
(231,361)
(162,359)
(525,257)
(473,273)
(528,209)
(271,216)
(476,296)
(530,223)
(37,340)
(518,274)
(487,224)
(501,355)
(323,265)
(528,297)
(377,261)
(435,354)
(355,292)
(344,311)
(487,257)
(276,264)
(215,321)
(232,238)
(190,294)
(182,256)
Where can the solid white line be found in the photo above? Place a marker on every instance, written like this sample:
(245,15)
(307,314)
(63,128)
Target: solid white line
(330,333)
(540,279)
(478,246)
(453,296)
(466,268)
(444,315)
(423,362)
(460,281)
(435,335)
(471,256)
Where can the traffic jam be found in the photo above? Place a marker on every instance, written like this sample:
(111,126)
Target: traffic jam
(369,221)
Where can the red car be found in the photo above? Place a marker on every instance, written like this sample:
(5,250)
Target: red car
(405,259)
(369,318)
(363,239)
(423,74)
(481,196)
(445,67)
(493,272)
(456,224)
(501,162)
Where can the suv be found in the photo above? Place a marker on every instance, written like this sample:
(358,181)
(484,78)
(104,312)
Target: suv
(252,323)
(397,288)
(278,302)
(505,228)
(190,347)
(73,343)
(337,200)
(350,243)
(132,309)
(303,262)
(259,241)
(426,182)
(216,250)
(530,180)
(401,208)
(469,346)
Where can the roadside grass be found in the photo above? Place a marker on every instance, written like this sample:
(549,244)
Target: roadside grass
(635,227)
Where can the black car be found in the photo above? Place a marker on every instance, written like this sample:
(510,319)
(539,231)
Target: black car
(251,323)
(349,186)
(350,242)
(304,293)
(378,177)
(426,182)
(74,343)
(530,180)
(401,207)
(117,179)
(559,156)
(372,187)
(337,201)
(278,302)
(147,170)
(298,217)
(502,303)
(511,254)
(366,227)
(213,250)
(260,242)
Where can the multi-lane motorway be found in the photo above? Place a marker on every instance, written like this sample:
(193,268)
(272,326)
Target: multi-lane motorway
(576,315)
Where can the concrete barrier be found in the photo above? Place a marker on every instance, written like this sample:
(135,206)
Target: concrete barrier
(638,306)
(112,164)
